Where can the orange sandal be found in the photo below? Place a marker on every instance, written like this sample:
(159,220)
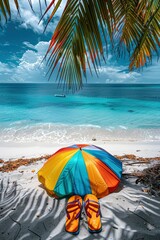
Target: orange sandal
(92,208)
(73,209)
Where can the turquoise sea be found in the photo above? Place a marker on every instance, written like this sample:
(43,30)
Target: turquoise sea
(31,112)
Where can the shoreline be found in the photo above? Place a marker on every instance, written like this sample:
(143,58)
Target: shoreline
(36,149)
(26,132)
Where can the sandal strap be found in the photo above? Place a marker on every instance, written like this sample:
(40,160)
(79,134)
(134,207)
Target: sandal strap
(89,204)
(73,206)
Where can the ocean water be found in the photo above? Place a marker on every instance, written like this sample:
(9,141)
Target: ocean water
(31,112)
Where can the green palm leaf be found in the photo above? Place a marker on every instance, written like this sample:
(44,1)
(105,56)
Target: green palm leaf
(138,29)
(129,25)
(5,11)
(148,43)
(78,39)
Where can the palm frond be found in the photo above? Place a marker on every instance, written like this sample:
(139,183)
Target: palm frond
(148,43)
(78,39)
(137,29)
(5,11)
(129,25)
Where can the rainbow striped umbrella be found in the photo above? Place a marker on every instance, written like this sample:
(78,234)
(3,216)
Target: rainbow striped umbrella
(81,169)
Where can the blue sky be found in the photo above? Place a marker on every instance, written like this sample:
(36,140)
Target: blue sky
(23,45)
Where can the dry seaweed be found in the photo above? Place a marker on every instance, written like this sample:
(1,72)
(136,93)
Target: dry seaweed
(12,165)
(150,178)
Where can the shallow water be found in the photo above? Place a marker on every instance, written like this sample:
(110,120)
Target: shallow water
(31,112)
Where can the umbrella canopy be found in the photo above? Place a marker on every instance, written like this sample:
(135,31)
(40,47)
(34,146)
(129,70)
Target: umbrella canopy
(80,170)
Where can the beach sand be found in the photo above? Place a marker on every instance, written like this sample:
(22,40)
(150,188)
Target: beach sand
(27,212)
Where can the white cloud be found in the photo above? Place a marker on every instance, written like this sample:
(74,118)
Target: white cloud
(29,45)
(117,72)
(4,67)
(30,19)
(114,72)
(30,67)
(5,72)
(151,74)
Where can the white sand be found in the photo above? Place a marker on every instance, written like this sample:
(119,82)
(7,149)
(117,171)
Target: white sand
(27,212)
(17,150)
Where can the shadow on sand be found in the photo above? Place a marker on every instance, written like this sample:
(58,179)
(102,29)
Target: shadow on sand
(32,214)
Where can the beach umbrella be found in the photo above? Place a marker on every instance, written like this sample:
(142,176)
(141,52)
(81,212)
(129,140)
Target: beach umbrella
(79,170)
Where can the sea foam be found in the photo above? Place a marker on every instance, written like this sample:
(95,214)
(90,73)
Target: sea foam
(62,133)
